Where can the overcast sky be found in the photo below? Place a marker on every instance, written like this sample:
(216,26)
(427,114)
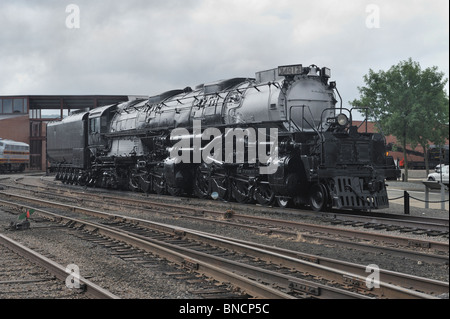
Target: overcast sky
(145,47)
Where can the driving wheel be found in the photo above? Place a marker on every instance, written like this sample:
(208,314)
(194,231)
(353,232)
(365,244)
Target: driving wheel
(242,191)
(318,197)
(264,194)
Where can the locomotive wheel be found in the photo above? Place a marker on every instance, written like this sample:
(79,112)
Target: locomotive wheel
(201,184)
(159,186)
(219,185)
(69,176)
(133,183)
(242,191)
(57,177)
(284,202)
(64,176)
(264,194)
(83,179)
(318,197)
(174,191)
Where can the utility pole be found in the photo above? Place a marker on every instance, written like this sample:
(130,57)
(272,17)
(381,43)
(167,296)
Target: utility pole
(442,184)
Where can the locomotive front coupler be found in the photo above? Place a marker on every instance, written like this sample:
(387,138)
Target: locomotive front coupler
(349,188)
(375,186)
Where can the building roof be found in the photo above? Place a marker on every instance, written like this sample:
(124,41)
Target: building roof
(70,101)
(10,116)
(73,101)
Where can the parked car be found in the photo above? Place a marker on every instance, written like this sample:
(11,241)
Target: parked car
(436,176)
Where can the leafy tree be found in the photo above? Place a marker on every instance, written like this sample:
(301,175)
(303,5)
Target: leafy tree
(409,103)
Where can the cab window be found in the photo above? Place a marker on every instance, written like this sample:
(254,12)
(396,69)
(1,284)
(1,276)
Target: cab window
(94,125)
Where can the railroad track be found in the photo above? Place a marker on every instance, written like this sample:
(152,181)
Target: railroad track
(26,274)
(417,249)
(275,283)
(417,225)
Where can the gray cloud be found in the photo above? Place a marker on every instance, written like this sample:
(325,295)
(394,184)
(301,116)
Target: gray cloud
(145,47)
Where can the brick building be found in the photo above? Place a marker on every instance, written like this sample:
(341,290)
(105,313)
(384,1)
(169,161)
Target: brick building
(415,155)
(25,118)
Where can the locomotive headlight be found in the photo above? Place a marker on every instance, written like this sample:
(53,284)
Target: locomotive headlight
(342,119)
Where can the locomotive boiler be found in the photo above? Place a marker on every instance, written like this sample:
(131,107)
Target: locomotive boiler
(279,137)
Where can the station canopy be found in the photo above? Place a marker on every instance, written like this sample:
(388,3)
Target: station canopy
(73,102)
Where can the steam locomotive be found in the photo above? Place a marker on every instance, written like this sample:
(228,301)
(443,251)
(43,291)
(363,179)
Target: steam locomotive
(279,137)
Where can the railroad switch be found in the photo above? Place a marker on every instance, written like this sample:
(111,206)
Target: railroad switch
(22,225)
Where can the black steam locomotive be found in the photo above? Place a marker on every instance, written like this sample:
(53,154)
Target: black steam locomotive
(277,137)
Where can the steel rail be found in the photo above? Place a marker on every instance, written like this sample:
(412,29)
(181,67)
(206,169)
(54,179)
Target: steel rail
(431,258)
(56,269)
(426,285)
(413,222)
(392,221)
(346,232)
(214,271)
(213,266)
(301,260)
(338,271)
(308,228)
(388,289)
(298,226)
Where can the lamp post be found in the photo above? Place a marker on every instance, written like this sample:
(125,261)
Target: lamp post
(442,184)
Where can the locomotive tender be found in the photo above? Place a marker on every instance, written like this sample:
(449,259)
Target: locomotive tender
(285,140)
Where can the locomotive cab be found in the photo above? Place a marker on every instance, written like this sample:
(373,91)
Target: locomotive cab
(99,120)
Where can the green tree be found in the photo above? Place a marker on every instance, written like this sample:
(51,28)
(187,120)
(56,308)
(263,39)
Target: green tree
(408,103)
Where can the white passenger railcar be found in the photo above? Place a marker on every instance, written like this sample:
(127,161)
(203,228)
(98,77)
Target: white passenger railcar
(14,156)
